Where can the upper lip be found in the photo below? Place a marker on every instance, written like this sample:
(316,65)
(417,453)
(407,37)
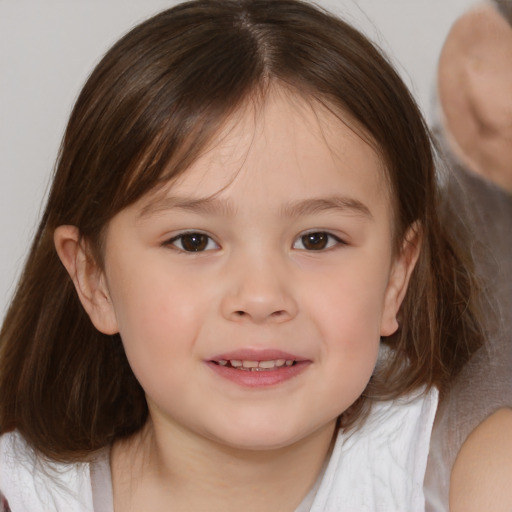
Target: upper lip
(256,355)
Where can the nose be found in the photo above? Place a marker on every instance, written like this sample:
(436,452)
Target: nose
(259,293)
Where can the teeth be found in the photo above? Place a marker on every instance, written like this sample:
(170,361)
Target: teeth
(257,365)
(250,364)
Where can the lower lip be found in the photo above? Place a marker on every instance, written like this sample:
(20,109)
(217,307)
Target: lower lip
(258,379)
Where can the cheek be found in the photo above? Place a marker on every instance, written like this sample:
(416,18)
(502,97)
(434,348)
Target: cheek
(347,312)
(153,298)
(349,304)
(158,317)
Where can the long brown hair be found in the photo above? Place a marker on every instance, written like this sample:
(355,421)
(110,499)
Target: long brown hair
(146,112)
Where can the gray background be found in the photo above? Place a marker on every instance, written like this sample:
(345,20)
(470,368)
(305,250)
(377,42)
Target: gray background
(48,47)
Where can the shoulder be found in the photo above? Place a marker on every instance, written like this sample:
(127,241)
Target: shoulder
(380,464)
(7,456)
(29,481)
(482,474)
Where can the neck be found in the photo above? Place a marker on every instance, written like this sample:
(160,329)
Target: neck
(196,473)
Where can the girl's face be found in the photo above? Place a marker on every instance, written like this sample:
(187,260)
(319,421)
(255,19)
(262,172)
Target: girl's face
(252,293)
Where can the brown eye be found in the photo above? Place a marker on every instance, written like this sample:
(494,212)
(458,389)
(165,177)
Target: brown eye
(194,242)
(316,241)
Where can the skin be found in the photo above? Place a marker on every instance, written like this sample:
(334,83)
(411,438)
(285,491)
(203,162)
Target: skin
(275,173)
(480,478)
(475,90)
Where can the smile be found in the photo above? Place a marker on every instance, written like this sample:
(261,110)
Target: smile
(256,366)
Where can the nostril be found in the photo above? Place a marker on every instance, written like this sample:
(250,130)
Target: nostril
(259,315)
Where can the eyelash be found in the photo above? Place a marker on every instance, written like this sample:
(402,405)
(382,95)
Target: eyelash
(329,239)
(203,242)
(177,241)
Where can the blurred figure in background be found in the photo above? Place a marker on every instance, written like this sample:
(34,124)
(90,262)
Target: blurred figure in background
(470,465)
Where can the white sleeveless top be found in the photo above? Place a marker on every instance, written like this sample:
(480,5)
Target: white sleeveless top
(377,468)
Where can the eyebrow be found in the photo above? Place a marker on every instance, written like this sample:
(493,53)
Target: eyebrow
(342,204)
(205,205)
(214,206)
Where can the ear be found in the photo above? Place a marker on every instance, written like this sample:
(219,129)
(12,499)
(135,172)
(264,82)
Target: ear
(475,91)
(88,278)
(401,271)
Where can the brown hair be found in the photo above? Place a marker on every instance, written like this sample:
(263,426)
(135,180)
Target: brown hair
(152,104)
(505,8)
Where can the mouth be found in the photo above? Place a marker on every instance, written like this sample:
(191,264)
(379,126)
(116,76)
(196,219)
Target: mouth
(256,366)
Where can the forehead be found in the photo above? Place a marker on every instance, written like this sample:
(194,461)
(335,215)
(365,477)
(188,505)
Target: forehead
(282,145)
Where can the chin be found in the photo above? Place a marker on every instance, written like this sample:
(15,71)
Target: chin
(258,445)
(261,437)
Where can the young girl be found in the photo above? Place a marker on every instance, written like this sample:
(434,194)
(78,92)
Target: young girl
(240,296)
